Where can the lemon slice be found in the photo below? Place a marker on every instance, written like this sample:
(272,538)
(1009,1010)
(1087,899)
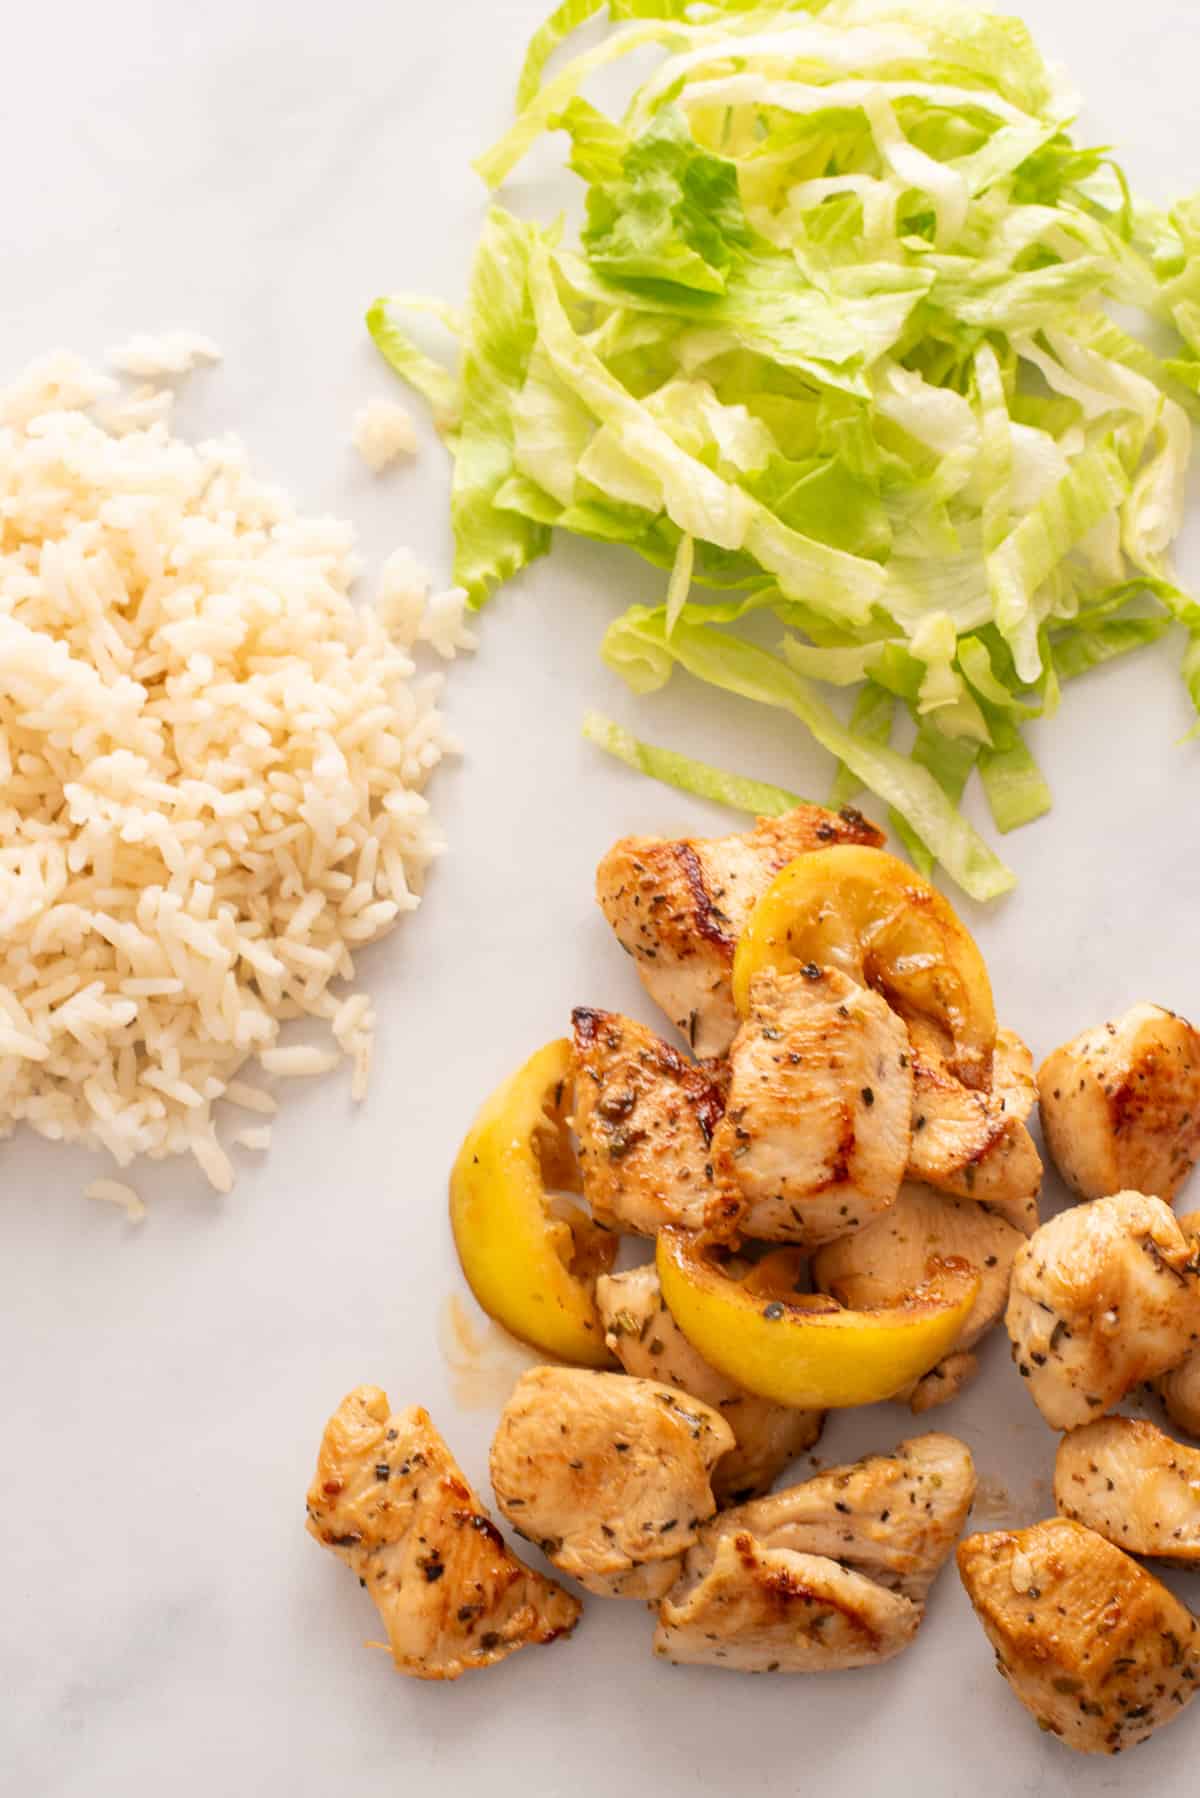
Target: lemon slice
(867,914)
(802,1351)
(531,1258)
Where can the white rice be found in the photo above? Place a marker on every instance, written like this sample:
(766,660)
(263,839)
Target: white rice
(382,431)
(259,1138)
(211,765)
(115,1192)
(170,353)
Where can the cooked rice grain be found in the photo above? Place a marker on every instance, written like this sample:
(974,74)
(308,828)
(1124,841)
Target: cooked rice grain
(382,431)
(211,765)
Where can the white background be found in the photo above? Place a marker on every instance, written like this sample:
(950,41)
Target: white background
(259,172)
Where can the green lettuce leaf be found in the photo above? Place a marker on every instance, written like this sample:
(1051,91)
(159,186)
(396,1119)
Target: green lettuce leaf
(638,648)
(735,790)
(436,383)
(492,544)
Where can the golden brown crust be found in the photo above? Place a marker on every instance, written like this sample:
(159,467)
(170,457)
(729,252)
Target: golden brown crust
(1091,1643)
(1104,1296)
(1121,1104)
(644,1118)
(1130,1482)
(771,1610)
(678,905)
(816,1130)
(610,1476)
(892,1518)
(389,1499)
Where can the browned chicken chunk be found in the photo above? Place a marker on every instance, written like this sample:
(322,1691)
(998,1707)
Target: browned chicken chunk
(1095,1647)
(974,1144)
(1121,1105)
(1127,1480)
(644,1118)
(1007,1179)
(893,1518)
(1179,1387)
(389,1500)
(679,905)
(648,1342)
(816,1129)
(608,1475)
(942,1383)
(1103,1296)
(770,1610)
(1180,1393)
(890,1257)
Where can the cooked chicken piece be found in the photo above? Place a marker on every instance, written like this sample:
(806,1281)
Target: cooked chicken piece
(648,1342)
(1179,1388)
(942,1383)
(816,1127)
(956,1126)
(1179,1391)
(678,906)
(608,1475)
(1103,1296)
(1091,1643)
(893,1518)
(1013,1080)
(890,1257)
(1007,1179)
(1121,1105)
(1127,1480)
(389,1500)
(644,1117)
(770,1610)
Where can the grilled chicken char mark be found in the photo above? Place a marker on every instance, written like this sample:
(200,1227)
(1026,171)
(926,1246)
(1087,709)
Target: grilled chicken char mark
(644,1118)
(816,1130)
(678,906)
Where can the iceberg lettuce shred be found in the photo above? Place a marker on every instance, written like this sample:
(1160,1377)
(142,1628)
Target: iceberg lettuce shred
(838,346)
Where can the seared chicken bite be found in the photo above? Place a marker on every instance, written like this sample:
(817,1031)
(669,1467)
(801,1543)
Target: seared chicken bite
(1179,1388)
(1103,1296)
(644,1118)
(1129,1481)
(942,1383)
(1095,1647)
(1179,1391)
(390,1501)
(648,1342)
(889,1258)
(679,905)
(608,1475)
(1007,1179)
(816,1127)
(770,1610)
(893,1518)
(957,1128)
(1121,1104)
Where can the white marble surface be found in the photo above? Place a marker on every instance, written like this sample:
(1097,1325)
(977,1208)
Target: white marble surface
(259,172)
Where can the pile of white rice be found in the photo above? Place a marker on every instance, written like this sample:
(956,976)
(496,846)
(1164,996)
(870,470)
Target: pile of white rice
(211,764)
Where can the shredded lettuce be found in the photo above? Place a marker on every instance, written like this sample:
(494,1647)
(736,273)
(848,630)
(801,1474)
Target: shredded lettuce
(734,790)
(638,647)
(835,347)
